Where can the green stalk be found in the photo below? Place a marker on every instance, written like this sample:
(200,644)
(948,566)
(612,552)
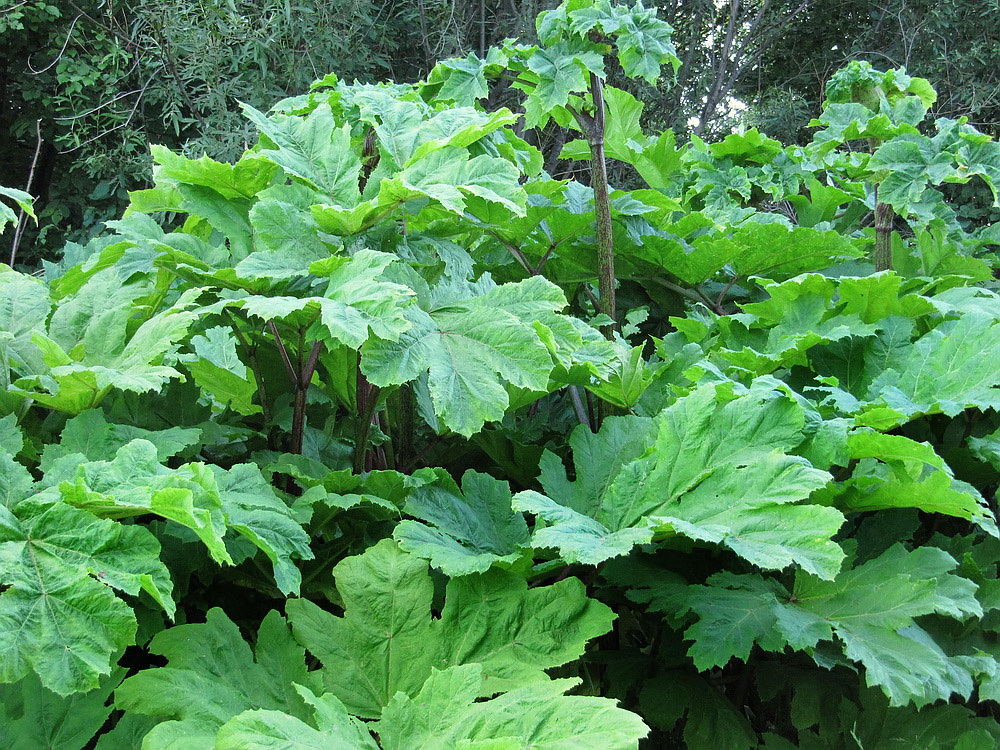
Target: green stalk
(387,447)
(602,206)
(367,399)
(258,377)
(593,128)
(405,409)
(301,388)
(298,421)
(884,216)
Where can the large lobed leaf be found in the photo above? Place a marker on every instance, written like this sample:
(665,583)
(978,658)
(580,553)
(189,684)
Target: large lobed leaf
(32,716)
(314,149)
(59,615)
(446,714)
(464,531)
(89,347)
(387,659)
(212,662)
(358,303)
(894,471)
(387,641)
(773,251)
(210,501)
(718,470)
(870,610)
(470,347)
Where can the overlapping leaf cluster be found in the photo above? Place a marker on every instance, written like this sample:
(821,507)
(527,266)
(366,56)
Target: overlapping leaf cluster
(314,442)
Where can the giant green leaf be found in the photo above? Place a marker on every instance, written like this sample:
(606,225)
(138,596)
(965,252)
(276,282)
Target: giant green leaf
(244,179)
(463,80)
(911,161)
(24,309)
(254,511)
(259,729)
(446,714)
(59,615)
(470,348)
(15,480)
(537,715)
(578,537)
(220,373)
(623,136)
(358,298)
(89,434)
(74,382)
(387,642)
(718,470)
(208,500)
(869,610)
(504,633)
(228,216)
(396,121)
(897,472)
(449,176)
(643,40)
(463,531)
(574,519)
(314,149)
(457,126)
(134,483)
(11,437)
(948,369)
(849,121)
(31,716)
(770,250)
(597,459)
(562,69)
(286,239)
(358,302)
(212,662)
(798,316)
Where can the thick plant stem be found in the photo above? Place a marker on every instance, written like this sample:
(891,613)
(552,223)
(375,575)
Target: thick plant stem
(405,409)
(581,412)
(884,216)
(367,399)
(594,128)
(258,377)
(299,402)
(298,422)
(883,236)
(602,206)
(388,448)
(300,378)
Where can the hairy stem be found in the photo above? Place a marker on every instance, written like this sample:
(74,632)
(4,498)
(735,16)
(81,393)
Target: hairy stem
(299,402)
(388,448)
(367,399)
(883,236)
(602,207)
(254,367)
(404,425)
(292,375)
(581,412)
(298,421)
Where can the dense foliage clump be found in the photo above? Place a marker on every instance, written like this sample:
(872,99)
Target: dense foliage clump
(379,436)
